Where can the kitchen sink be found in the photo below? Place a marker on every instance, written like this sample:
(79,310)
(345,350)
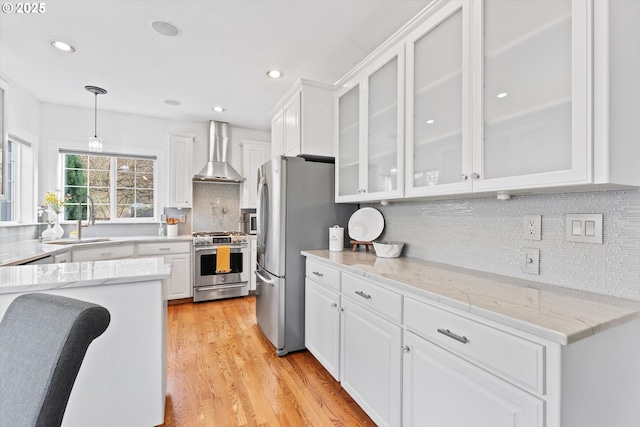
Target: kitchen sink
(76,242)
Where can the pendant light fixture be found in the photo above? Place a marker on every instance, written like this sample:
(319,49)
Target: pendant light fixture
(95,143)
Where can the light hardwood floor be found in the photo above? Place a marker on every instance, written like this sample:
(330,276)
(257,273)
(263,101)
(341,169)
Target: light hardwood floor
(222,371)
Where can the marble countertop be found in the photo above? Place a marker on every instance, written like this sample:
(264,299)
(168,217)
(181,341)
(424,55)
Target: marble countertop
(31,250)
(43,277)
(559,314)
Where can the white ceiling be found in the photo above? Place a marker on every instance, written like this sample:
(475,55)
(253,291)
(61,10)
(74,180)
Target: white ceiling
(220,57)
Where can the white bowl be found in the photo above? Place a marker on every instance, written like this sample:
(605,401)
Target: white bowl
(388,249)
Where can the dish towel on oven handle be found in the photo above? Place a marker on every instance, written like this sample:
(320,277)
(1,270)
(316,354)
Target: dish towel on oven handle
(223,259)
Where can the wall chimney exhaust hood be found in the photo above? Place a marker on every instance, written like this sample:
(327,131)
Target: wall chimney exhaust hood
(217,168)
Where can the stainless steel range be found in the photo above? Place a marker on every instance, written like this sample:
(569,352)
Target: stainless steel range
(209,282)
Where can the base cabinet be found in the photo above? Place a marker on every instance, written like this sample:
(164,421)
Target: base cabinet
(449,391)
(370,360)
(179,284)
(322,325)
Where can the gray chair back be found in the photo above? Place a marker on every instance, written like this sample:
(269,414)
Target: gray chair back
(43,340)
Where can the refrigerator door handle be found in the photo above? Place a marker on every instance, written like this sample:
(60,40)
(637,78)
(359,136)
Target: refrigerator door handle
(262,212)
(264,279)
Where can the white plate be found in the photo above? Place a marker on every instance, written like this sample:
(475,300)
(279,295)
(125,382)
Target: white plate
(366,224)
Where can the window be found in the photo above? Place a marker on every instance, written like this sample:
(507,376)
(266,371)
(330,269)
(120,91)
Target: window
(122,187)
(18,207)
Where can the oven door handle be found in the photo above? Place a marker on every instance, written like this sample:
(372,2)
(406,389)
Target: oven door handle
(213,288)
(233,249)
(264,279)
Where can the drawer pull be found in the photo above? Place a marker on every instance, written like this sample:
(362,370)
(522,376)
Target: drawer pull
(363,295)
(165,249)
(318,274)
(456,337)
(105,254)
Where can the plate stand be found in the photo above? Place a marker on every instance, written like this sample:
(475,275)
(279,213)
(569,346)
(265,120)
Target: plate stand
(367,245)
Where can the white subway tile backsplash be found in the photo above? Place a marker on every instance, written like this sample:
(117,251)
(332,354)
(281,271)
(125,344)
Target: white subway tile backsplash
(485,234)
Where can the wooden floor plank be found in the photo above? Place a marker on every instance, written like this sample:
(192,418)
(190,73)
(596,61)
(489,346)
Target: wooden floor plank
(222,371)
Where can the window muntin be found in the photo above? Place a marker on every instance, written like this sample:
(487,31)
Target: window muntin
(122,187)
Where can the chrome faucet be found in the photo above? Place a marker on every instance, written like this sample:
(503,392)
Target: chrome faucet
(91,218)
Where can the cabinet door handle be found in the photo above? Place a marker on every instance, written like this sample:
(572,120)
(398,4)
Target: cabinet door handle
(406,349)
(456,337)
(318,274)
(334,305)
(464,177)
(475,175)
(363,295)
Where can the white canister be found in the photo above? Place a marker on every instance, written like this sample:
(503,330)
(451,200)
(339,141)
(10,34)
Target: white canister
(172,230)
(336,238)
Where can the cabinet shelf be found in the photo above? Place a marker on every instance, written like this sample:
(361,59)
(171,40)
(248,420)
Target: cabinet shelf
(436,84)
(563,19)
(529,111)
(383,111)
(440,137)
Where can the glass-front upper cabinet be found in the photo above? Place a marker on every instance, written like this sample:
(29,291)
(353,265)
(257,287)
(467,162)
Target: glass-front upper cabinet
(438,147)
(530,88)
(370,132)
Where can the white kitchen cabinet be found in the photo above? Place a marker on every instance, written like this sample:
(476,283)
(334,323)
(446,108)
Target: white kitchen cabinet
(277,132)
(369,132)
(178,255)
(438,103)
(63,257)
(442,389)
(302,122)
(322,325)
(254,154)
(104,252)
(180,171)
(370,362)
(531,93)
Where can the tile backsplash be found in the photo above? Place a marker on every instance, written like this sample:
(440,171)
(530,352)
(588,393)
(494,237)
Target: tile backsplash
(487,235)
(216,207)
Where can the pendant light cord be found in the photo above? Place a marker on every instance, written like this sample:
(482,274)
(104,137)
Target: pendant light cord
(95,129)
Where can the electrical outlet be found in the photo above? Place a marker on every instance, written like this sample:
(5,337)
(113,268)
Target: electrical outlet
(533,227)
(531,260)
(182,218)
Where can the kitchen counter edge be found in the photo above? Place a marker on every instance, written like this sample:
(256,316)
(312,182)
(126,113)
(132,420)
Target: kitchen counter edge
(561,315)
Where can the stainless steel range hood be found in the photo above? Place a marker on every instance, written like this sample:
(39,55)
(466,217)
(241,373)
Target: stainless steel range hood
(217,168)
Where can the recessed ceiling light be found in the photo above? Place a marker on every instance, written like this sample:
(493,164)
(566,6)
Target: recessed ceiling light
(218,109)
(430,121)
(502,95)
(171,102)
(165,28)
(63,46)
(275,74)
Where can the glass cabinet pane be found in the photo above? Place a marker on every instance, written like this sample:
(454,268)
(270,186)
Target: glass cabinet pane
(437,103)
(383,129)
(527,87)
(349,142)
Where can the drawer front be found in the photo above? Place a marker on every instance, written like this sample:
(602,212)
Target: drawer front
(320,273)
(372,296)
(515,358)
(164,248)
(103,253)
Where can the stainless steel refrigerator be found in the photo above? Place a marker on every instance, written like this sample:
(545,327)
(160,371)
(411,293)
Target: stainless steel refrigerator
(295,210)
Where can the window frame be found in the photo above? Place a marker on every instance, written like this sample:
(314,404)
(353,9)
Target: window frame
(62,150)
(23,197)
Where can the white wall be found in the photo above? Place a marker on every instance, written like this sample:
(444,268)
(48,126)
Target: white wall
(23,112)
(70,127)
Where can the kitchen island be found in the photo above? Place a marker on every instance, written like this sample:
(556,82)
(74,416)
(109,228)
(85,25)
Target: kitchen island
(122,380)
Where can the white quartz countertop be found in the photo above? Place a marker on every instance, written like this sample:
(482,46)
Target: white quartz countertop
(559,314)
(44,277)
(31,250)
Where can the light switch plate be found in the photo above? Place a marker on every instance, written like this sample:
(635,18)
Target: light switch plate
(586,228)
(531,260)
(532,227)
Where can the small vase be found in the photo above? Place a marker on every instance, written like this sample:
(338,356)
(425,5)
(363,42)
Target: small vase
(49,233)
(58,228)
